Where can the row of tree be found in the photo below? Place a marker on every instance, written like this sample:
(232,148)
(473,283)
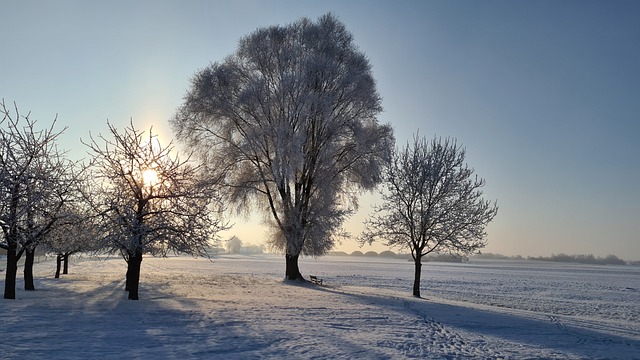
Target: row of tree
(38,196)
(287,125)
(132,197)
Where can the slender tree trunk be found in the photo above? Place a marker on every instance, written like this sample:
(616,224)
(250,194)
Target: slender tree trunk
(127,276)
(12,249)
(292,271)
(58,265)
(134,275)
(418,273)
(29,258)
(11,270)
(65,269)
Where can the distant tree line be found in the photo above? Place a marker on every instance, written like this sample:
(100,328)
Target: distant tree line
(493,256)
(434,257)
(579,259)
(445,257)
(582,259)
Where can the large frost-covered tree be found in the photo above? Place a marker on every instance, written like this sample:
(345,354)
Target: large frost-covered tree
(431,202)
(150,201)
(291,119)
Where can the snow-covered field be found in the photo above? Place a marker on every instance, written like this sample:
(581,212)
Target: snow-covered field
(238,307)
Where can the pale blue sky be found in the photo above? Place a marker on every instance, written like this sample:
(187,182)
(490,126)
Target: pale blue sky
(545,95)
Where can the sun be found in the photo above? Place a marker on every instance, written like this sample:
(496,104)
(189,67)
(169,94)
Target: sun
(150,177)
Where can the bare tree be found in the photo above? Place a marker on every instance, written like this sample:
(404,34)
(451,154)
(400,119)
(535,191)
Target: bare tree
(32,184)
(57,190)
(431,202)
(78,231)
(291,118)
(150,200)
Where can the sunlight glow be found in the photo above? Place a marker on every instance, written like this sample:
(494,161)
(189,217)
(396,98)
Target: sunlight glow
(150,177)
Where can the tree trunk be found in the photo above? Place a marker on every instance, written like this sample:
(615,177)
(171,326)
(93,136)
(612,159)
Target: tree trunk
(29,258)
(11,271)
(134,275)
(58,265)
(418,273)
(65,270)
(292,271)
(12,248)
(127,276)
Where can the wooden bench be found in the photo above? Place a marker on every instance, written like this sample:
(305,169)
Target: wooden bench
(315,280)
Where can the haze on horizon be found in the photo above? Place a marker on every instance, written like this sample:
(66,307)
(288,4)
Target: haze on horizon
(544,95)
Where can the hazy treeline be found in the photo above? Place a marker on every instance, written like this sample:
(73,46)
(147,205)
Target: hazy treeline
(493,256)
(434,257)
(582,259)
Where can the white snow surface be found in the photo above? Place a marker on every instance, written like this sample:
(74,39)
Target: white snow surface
(239,307)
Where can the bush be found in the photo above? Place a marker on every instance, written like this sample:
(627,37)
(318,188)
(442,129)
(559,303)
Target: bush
(338,253)
(387,254)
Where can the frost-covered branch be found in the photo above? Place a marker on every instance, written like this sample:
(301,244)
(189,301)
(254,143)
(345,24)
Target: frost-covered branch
(36,181)
(431,203)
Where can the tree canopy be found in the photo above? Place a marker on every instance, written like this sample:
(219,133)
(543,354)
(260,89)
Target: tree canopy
(291,120)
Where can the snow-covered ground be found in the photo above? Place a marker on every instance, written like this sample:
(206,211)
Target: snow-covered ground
(238,307)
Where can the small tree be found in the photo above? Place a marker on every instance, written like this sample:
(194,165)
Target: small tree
(432,202)
(234,244)
(290,118)
(78,231)
(150,201)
